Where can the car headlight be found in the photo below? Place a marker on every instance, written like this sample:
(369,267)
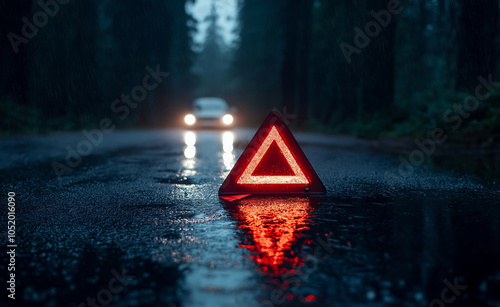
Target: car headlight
(190,119)
(227,119)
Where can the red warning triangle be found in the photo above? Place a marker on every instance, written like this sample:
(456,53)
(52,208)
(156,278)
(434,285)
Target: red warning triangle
(272,163)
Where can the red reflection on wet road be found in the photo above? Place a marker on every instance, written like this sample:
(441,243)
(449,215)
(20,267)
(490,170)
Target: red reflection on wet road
(274,224)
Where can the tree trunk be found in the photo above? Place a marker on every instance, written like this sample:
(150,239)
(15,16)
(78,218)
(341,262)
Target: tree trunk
(303,63)
(476,38)
(16,63)
(289,68)
(378,81)
(422,25)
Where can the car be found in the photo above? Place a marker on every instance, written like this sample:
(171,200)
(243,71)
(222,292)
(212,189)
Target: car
(209,112)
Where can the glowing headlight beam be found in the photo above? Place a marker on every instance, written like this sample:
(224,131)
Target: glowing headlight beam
(190,119)
(227,119)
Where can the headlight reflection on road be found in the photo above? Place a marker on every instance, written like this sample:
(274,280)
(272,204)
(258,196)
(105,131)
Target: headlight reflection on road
(227,141)
(190,138)
(190,152)
(190,141)
(227,147)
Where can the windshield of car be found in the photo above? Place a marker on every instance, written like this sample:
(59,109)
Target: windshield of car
(210,105)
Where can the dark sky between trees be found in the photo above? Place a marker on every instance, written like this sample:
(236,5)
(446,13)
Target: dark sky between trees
(367,67)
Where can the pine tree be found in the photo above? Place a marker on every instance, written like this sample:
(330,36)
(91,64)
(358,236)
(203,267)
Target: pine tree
(213,62)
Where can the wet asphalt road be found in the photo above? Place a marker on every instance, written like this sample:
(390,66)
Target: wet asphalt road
(139,223)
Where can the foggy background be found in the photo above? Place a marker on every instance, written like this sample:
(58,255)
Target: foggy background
(258,55)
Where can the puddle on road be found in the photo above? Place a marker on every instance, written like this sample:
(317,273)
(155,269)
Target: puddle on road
(274,229)
(368,250)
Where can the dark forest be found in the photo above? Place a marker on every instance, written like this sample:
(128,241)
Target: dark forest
(367,68)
